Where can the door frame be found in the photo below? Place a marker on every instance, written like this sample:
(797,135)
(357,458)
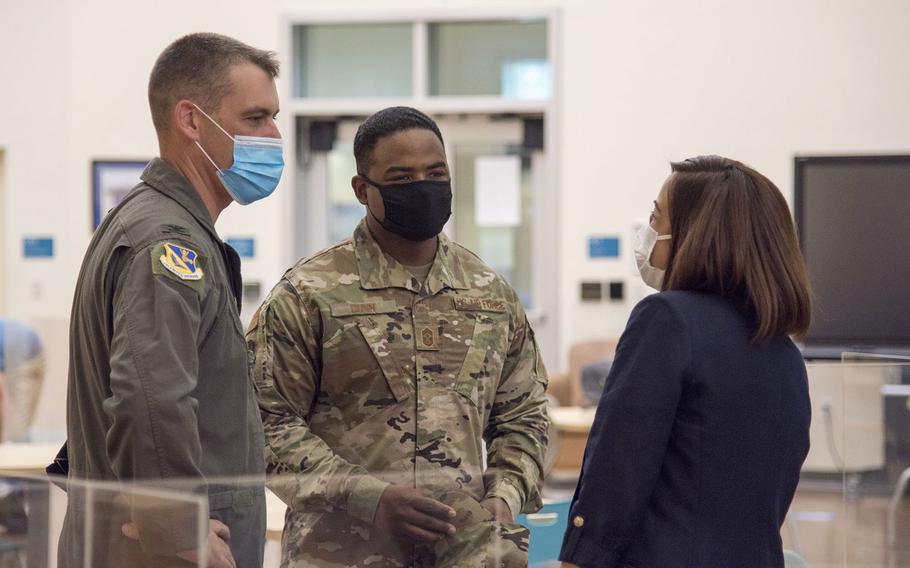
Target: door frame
(545,273)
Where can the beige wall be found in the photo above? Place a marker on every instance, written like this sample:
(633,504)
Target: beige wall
(648,82)
(3,223)
(639,84)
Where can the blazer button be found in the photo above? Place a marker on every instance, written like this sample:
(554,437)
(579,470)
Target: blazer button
(578,521)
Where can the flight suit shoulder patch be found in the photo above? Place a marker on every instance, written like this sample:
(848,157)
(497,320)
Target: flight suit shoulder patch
(480,305)
(179,263)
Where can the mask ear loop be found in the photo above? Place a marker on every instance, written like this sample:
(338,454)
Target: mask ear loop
(204,153)
(214,122)
(657,239)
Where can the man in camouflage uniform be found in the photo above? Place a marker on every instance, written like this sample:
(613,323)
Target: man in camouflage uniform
(382,364)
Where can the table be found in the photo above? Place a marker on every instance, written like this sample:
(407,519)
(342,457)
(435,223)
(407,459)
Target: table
(576,419)
(574,425)
(30,459)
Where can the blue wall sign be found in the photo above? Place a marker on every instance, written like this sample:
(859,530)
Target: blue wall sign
(38,247)
(245,246)
(603,247)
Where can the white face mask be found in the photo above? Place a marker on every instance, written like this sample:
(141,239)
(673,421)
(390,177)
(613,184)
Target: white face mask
(644,246)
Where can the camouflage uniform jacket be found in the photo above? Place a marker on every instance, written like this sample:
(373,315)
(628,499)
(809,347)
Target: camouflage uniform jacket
(367,378)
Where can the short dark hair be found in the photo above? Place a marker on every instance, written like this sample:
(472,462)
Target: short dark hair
(197,67)
(733,235)
(383,123)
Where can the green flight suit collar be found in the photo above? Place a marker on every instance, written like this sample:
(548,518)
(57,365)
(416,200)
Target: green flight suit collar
(167,180)
(379,270)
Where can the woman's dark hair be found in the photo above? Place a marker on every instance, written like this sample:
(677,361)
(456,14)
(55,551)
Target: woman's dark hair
(733,236)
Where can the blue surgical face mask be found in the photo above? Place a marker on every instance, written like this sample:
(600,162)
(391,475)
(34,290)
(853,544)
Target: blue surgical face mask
(257,167)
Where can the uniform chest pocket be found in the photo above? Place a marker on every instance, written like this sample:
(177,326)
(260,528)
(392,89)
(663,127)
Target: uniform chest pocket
(391,352)
(387,334)
(483,362)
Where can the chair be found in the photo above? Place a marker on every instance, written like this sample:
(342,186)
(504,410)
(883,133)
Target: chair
(567,386)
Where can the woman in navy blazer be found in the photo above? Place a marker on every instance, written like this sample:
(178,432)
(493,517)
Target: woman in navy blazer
(696,448)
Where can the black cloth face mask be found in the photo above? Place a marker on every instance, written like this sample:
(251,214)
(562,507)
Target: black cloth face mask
(416,210)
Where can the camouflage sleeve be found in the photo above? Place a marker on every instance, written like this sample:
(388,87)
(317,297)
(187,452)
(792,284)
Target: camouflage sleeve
(516,432)
(303,470)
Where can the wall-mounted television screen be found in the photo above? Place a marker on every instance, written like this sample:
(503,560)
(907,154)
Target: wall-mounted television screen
(853,216)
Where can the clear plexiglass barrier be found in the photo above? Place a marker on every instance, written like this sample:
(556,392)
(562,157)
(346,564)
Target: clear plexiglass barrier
(51,522)
(851,507)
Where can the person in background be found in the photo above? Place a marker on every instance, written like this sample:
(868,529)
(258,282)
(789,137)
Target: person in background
(21,377)
(382,365)
(700,434)
(159,385)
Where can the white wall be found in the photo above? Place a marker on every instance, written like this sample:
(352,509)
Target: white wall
(641,83)
(75,77)
(649,82)
(3,223)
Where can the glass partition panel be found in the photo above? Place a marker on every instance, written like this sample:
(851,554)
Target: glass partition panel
(353,60)
(814,528)
(852,506)
(496,58)
(50,523)
(82,524)
(876,454)
(316,531)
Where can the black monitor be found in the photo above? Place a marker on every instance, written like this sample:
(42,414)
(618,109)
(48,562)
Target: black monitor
(853,216)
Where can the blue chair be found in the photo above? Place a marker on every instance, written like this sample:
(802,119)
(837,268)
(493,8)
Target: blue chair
(547,528)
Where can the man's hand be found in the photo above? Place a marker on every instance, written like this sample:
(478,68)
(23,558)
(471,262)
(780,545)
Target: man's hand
(218,553)
(408,514)
(499,508)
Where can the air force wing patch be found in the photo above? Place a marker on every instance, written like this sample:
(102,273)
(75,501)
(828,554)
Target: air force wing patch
(181,261)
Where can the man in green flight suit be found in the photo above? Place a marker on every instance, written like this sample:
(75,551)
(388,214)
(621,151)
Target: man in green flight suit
(159,386)
(382,365)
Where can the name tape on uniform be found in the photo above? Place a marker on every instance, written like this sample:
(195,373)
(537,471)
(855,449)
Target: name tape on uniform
(383,307)
(480,305)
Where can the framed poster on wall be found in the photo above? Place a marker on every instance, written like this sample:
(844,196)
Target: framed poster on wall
(111,181)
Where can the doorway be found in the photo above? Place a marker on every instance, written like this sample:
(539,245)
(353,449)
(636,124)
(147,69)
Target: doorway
(500,185)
